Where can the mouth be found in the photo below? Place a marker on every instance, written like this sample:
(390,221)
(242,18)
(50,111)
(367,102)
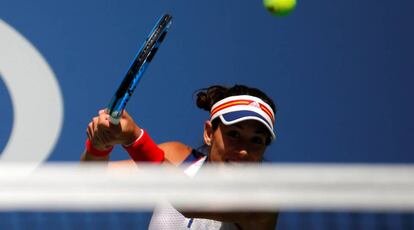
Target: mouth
(239,163)
(234,162)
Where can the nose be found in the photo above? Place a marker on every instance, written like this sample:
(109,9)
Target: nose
(243,154)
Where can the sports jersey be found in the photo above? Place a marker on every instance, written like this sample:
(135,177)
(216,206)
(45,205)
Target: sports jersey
(165,216)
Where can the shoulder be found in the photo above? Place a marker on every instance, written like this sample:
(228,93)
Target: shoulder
(175,152)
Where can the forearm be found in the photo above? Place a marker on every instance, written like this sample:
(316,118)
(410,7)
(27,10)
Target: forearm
(144,149)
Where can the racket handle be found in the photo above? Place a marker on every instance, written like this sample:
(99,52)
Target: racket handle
(114,116)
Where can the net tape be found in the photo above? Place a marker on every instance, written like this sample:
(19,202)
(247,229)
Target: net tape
(267,187)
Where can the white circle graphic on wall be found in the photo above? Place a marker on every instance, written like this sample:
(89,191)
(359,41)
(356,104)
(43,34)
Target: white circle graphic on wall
(36,99)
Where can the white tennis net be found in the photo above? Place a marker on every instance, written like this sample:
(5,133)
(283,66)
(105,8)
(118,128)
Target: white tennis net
(250,187)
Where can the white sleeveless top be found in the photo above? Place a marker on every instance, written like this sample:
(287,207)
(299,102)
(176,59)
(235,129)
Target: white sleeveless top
(165,216)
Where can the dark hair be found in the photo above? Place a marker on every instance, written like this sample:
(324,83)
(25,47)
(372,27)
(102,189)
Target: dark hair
(207,97)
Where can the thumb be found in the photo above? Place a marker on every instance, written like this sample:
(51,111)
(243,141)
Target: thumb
(102,111)
(103,121)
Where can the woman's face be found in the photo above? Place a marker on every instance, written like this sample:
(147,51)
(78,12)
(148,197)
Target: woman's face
(241,142)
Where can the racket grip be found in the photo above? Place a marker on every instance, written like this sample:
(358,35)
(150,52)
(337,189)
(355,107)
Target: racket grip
(114,116)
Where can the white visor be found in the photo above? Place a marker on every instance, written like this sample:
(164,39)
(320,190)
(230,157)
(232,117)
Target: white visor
(235,109)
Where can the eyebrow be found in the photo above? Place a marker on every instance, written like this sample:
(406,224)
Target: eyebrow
(260,130)
(238,126)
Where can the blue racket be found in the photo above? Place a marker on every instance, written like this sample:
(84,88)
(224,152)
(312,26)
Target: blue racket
(137,68)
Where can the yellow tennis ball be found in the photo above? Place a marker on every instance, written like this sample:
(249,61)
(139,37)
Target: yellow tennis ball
(279,7)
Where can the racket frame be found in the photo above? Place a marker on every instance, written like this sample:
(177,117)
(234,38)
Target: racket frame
(137,68)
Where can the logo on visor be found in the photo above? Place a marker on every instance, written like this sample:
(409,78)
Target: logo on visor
(255,104)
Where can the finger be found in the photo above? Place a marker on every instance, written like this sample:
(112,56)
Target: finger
(87,133)
(89,130)
(95,125)
(93,132)
(103,137)
(124,113)
(102,111)
(97,141)
(104,121)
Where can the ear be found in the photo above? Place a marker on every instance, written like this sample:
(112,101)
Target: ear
(208,133)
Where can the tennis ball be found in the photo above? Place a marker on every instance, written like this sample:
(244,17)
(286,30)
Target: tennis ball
(279,7)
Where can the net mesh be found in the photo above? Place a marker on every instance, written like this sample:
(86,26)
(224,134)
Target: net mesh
(73,196)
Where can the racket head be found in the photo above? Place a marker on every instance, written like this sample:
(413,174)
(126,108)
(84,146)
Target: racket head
(137,68)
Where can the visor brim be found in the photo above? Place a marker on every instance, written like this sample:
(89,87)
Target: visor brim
(243,115)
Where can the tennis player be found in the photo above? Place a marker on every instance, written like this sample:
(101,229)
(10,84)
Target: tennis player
(239,130)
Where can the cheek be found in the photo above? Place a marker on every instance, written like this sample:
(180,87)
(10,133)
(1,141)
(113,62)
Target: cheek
(217,151)
(257,152)
(258,156)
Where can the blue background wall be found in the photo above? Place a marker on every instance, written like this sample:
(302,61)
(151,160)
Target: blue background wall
(340,71)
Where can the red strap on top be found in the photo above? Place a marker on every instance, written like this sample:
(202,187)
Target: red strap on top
(145,149)
(96,152)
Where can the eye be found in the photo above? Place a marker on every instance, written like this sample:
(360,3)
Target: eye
(258,140)
(233,134)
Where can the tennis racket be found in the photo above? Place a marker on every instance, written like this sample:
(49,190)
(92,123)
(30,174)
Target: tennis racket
(137,68)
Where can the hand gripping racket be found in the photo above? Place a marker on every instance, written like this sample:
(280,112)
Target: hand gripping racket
(137,68)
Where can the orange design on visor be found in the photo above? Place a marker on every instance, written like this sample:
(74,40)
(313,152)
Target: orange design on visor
(234,109)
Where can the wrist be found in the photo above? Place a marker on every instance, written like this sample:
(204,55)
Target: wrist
(136,135)
(145,149)
(92,150)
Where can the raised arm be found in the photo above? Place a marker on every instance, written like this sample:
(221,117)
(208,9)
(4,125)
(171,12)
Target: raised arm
(103,135)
